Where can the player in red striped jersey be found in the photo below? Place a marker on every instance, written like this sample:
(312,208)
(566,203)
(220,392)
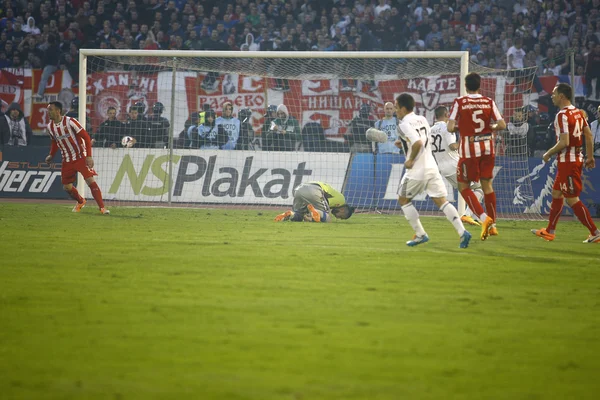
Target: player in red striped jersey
(570,125)
(76,149)
(478,117)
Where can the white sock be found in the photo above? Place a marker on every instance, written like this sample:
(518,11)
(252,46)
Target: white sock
(452,216)
(412,216)
(479,194)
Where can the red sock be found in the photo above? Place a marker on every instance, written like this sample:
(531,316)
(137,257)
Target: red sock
(555,211)
(97,194)
(75,194)
(583,215)
(490,205)
(472,202)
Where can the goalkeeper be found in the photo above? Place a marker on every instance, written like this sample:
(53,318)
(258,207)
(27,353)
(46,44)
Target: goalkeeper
(316,202)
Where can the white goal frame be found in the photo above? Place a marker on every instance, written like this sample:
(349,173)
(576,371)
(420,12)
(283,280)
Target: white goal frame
(463,56)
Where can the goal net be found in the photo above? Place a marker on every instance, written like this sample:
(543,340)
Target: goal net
(195,128)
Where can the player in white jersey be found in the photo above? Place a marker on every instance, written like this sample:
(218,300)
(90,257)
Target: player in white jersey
(389,126)
(421,173)
(445,150)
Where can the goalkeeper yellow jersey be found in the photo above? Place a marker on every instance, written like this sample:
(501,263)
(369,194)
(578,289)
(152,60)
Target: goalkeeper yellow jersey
(334,198)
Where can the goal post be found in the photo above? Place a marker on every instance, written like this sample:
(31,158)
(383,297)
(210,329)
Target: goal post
(252,157)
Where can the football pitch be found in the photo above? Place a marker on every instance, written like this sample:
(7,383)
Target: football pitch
(226,304)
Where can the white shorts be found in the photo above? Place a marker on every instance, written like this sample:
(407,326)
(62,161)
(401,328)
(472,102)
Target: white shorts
(433,185)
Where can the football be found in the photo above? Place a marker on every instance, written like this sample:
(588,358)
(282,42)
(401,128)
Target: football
(127,141)
(375,135)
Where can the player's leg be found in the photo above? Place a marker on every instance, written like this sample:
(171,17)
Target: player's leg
(88,174)
(574,186)
(451,214)
(486,172)
(68,175)
(583,215)
(556,208)
(467,171)
(436,189)
(284,216)
(309,200)
(478,190)
(318,207)
(468,215)
(298,207)
(410,212)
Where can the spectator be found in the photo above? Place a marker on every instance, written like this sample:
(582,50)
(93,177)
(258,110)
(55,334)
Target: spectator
(313,137)
(246,139)
(51,59)
(30,27)
(592,71)
(74,113)
(137,127)
(158,125)
(355,133)
(284,132)
(231,125)
(388,124)
(268,118)
(422,9)
(383,6)
(595,128)
(207,135)
(14,127)
(109,132)
(519,131)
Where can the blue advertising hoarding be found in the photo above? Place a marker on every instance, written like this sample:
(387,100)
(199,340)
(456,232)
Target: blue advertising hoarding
(372,181)
(25,174)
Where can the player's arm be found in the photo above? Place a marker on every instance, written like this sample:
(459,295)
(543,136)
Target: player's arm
(500,124)
(563,140)
(590,162)
(82,133)
(451,125)
(416,144)
(53,150)
(450,138)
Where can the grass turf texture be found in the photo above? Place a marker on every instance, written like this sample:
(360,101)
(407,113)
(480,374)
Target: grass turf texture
(227,304)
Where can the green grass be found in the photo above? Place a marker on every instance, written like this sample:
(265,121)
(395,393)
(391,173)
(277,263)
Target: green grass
(226,304)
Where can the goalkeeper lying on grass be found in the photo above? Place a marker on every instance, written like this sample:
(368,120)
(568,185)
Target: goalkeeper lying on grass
(316,202)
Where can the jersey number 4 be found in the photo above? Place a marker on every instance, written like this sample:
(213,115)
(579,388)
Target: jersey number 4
(578,128)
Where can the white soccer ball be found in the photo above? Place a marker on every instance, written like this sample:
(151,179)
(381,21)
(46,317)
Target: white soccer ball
(375,135)
(127,141)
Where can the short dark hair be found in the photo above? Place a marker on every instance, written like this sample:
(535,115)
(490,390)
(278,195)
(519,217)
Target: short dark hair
(440,111)
(57,104)
(473,82)
(346,209)
(407,101)
(565,89)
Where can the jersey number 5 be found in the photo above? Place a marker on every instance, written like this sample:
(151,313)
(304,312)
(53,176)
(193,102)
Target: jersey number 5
(478,121)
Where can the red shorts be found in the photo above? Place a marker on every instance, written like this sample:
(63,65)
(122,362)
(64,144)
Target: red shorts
(472,169)
(68,173)
(568,179)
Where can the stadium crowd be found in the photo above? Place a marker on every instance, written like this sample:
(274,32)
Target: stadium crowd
(37,34)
